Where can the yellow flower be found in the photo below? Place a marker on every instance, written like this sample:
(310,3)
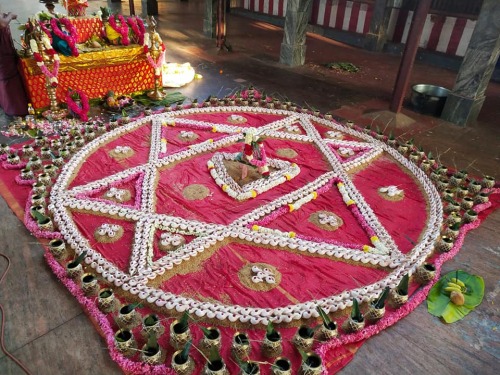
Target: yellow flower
(315,195)
(374,239)
(225,187)
(288,177)
(254,193)
(339,184)
(255,227)
(291,234)
(290,207)
(214,129)
(366,248)
(210,140)
(349,202)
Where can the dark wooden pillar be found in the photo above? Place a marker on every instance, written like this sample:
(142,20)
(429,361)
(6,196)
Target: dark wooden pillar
(409,54)
(467,97)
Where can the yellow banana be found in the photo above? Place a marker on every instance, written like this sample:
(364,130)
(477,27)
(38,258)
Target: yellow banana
(450,289)
(453,284)
(459,282)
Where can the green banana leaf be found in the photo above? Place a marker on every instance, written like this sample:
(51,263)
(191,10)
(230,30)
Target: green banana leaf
(438,301)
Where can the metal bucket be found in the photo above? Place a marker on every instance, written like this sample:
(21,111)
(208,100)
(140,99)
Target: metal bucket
(428,99)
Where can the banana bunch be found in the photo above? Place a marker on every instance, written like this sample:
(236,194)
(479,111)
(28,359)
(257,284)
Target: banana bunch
(456,288)
(455,285)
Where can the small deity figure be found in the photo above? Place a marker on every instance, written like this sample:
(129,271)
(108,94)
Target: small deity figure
(253,154)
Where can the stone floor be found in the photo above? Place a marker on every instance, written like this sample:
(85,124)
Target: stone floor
(48,331)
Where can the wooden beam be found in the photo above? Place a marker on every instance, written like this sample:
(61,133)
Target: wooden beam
(411,47)
(132,7)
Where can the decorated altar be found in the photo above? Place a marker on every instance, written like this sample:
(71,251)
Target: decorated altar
(93,66)
(243,233)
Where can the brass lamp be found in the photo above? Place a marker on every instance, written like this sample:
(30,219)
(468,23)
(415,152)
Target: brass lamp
(155,50)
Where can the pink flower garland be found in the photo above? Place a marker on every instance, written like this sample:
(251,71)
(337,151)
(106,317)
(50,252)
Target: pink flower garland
(71,38)
(81,111)
(122,29)
(51,75)
(137,27)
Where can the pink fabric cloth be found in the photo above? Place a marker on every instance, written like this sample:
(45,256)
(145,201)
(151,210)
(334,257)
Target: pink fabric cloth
(13,99)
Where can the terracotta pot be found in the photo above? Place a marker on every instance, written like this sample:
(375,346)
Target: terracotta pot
(179,337)
(57,248)
(215,368)
(302,340)
(151,356)
(312,365)
(272,345)
(326,333)
(240,347)
(106,300)
(182,368)
(374,314)
(281,366)
(350,325)
(125,342)
(148,328)
(89,284)
(213,341)
(425,273)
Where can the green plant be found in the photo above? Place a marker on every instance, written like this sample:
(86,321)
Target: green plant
(356,313)
(402,287)
(182,324)
(380,301)
(249,367)
(327,322)
(151,320)
(306,332)
(124,113)
(183,356)
(77,260)
(211,334)
(152,346)
(127,309)
(271,332)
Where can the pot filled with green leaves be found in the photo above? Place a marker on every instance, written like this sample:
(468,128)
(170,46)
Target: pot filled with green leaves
(474,187)
(106,300)
(304,338)
(151,324)
(488,182)
(57,248)
(74,268)
(215,365)
(376,310)
(399,295)
(249,368)
(89,284)
(272,344)
(179,332)
(445,244)
(328,329)
(281,366)
(128,316)
(470,216)
(452,230)
(151,352)
(125,342)
(211,339)
(240,347)
(467,203)
(481,198)
(425,273)
(356,321)
(35,163)
(182,363)
(311,364)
